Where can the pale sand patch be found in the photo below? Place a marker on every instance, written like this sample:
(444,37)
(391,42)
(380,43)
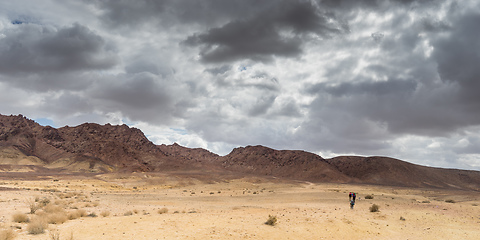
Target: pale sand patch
(238,209)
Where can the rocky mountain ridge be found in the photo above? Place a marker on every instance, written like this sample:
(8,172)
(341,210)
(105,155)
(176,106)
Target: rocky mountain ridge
(92,148)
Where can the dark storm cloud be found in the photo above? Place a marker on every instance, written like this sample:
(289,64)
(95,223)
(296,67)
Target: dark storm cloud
(30,48)
(141,96)
(279,31)
(458,58)
(168,13)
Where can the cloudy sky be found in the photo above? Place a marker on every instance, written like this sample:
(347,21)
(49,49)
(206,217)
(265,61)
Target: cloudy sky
(398,78)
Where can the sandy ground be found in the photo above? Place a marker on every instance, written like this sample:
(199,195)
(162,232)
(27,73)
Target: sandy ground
(237,209)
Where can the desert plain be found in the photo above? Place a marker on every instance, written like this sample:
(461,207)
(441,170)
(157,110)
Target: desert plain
(198,205)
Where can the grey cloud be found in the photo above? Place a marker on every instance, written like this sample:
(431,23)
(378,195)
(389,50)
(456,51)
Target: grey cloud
(263,36)
(30,48)
(219,70)
(167,13)
(289,109)
(141,96)
(389,87)
(259,80)
(458,56)
(261,106)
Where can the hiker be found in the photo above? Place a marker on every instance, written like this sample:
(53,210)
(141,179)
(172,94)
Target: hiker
(350,196)
(351,204)
(354,196)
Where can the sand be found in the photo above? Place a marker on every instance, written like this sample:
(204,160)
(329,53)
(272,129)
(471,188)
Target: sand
(159,206)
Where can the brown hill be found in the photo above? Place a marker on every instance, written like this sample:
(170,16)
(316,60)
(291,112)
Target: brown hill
(282,163)
(394,172)
(26,146)
(86,148)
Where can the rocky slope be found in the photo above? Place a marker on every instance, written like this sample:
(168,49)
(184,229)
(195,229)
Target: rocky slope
(26,146)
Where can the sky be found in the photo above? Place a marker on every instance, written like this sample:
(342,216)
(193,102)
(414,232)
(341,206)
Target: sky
(396,78)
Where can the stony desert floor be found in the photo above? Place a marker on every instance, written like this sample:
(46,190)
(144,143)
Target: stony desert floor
(183,206)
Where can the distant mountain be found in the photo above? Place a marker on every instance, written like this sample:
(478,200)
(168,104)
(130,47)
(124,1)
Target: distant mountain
(26,146)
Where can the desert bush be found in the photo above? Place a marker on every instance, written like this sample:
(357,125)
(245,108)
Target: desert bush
(37,226)
(105,213)
(43,202)
(374,208)
(57,218)
(54,235)
(128,213)
(92,214)
(402,218)
(425,201)
(7,234)
(33,206)
(20,217)
(450,201)
(76,214)
(272,220)
(52,208)
(162,210)
(369,197)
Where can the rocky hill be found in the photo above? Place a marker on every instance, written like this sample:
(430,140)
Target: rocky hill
(26,146)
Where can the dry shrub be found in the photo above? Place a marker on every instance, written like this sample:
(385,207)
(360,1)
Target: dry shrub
(272,220)
(450,201)
(82,212)
(37,225)
(374,208)
(105,214)
(57,218)
(33,205)
(7,234)
(20,217)
(369,197)
(128,213)
(92,214)
(162,210)
(76,214)
(51,208)
(43,202)
(55,235)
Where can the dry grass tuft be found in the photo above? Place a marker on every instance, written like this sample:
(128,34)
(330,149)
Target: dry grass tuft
(20,217)
(55,235)
(37,226)
(7,234)
(272,220)
(33,205)
(374,208)
(162,210)
(57,218)
(105,213)
(76,214)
